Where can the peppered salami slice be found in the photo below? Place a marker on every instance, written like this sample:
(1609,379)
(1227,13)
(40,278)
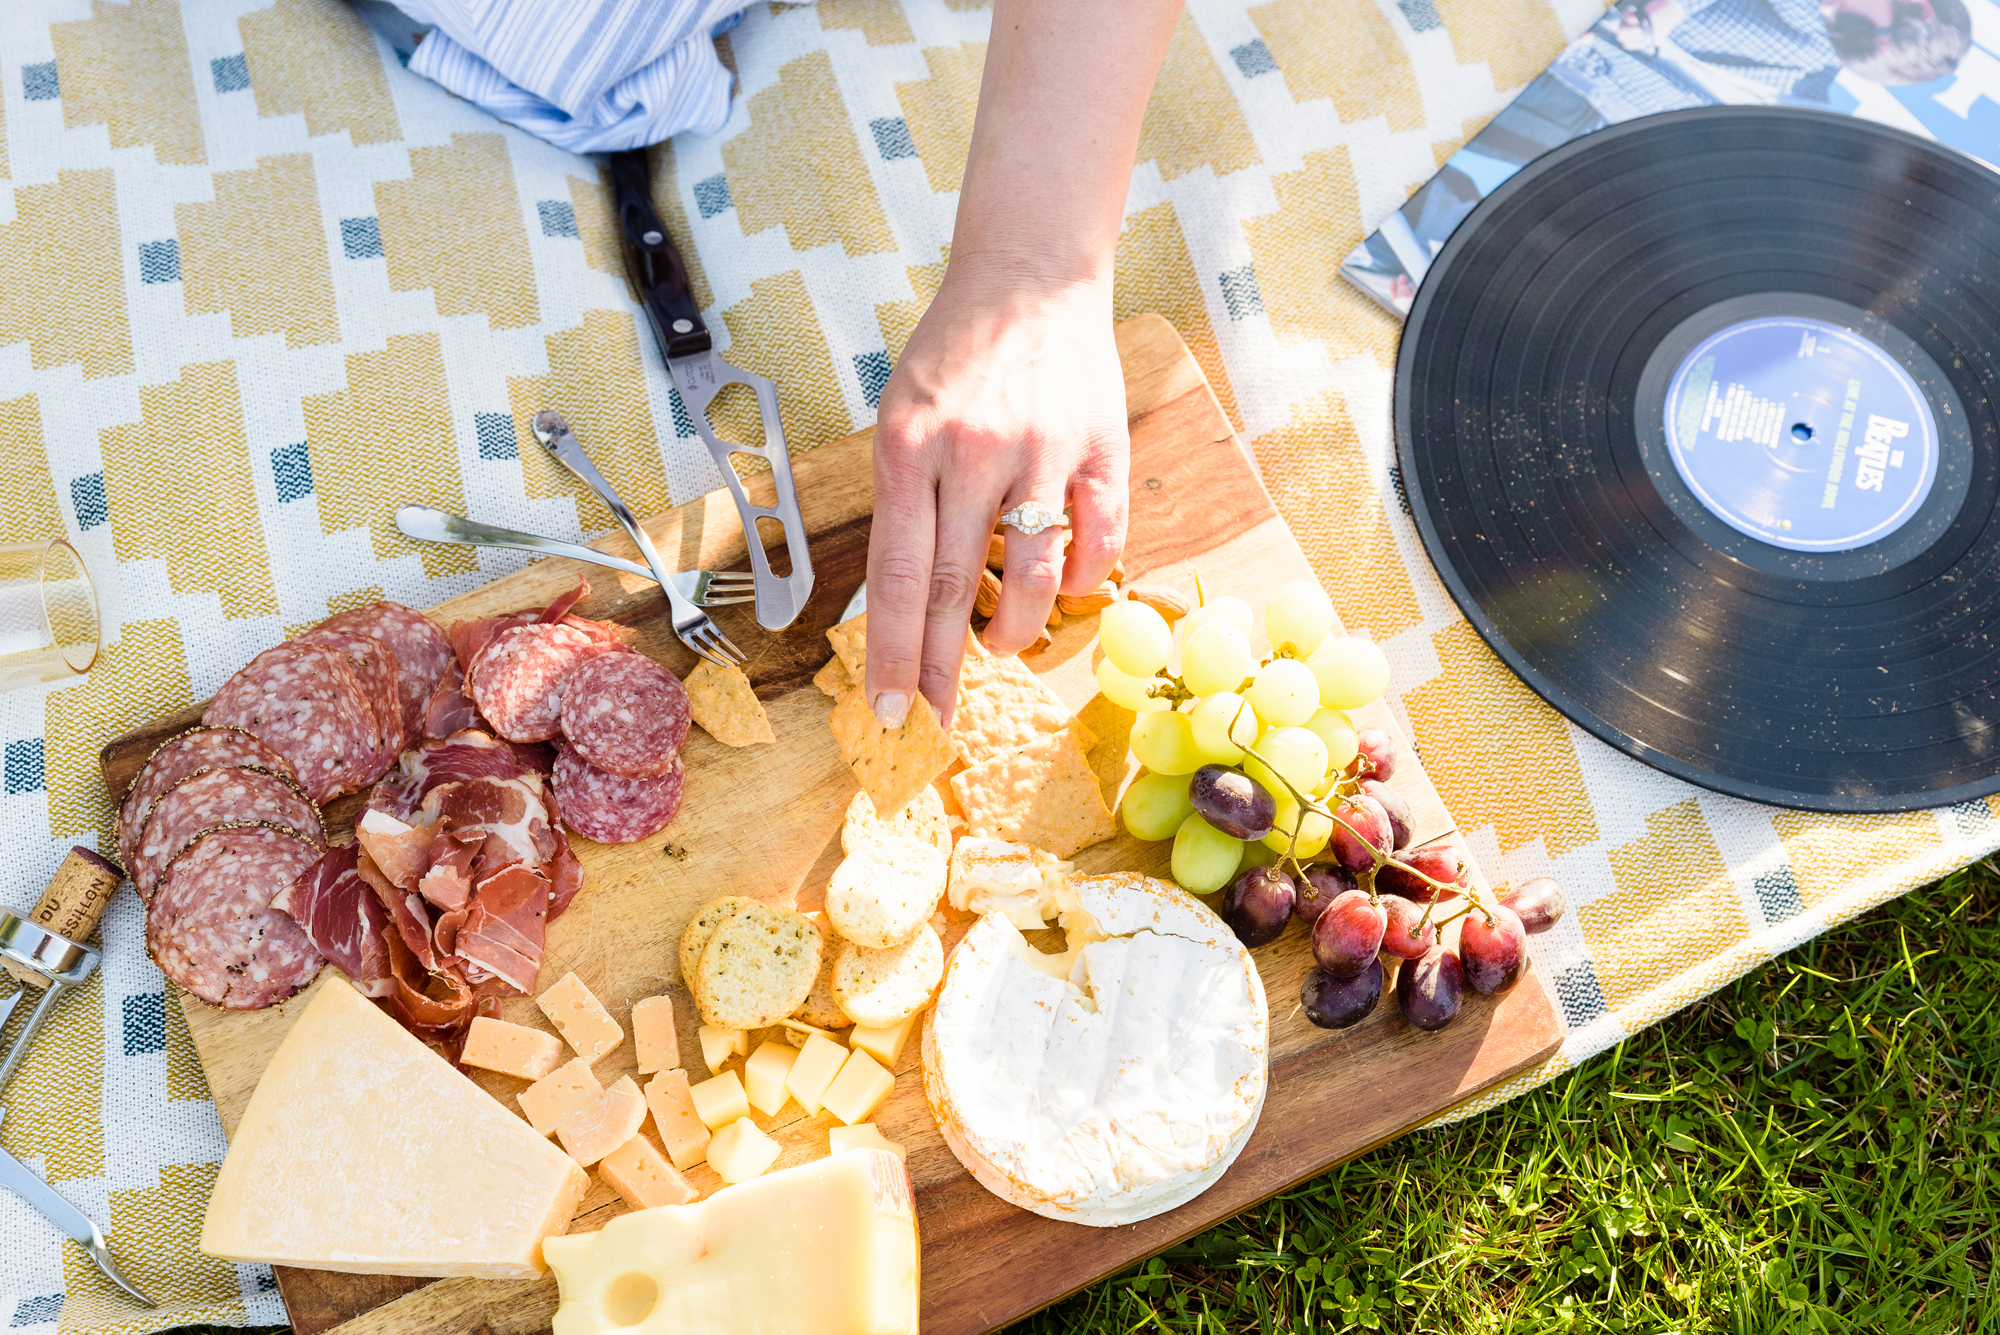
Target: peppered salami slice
(305,702)
(195,750)
(611,809)
(625,714)
(212,798)
(517,680)
(376,669)
(420,648)
(211,928)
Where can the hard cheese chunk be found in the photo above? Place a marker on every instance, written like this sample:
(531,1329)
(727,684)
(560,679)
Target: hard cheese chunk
(859,1088)
(557,1094)
(511,1049)
(764,1075)
(818,1063)
(681,1129)
(740,1151)
(884,1045)
(720,1101)
(654,1035)
(580,1018)
(867,1136)
(829,1246)
(643,1177)
(718,1044)
(603,1124)
(364,1151)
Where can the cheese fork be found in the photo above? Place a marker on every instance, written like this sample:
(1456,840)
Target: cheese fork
(703,588)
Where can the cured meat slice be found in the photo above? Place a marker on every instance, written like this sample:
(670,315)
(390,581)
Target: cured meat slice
(195,750)
(517,681)
(407,913)
(469,639)
(611,809)
(560,608)
(448,710)
(467,754)
(501,935)
(381,680)
(421,650)
(625,714)
(402,851)
(211,928)
(505,817)
(214,798)
(305,702)
(342,918)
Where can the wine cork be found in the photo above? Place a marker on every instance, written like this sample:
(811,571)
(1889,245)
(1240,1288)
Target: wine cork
(73,903)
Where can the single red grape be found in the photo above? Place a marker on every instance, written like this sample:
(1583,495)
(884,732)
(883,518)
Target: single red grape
(1323,883)
(1493,952)
(1430,990)
(1442,864)
(1366,830)
(1395,807)
(1258,904)
(1336,1003)
(1348,934)
(1400,937)
(1377,758)
(1232,802)
(1539,903)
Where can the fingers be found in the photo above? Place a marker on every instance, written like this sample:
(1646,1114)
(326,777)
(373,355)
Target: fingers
(1031,578)
(901,547)
(1098,497)
(967,503)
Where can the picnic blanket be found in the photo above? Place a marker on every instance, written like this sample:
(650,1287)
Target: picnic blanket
(259,284)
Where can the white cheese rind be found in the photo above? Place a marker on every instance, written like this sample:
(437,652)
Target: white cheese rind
(1118,1092)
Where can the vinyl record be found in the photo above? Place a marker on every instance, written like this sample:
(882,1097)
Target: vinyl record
(1696,417)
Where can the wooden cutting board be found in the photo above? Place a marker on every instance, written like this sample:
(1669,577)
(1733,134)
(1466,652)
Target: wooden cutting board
(765,821)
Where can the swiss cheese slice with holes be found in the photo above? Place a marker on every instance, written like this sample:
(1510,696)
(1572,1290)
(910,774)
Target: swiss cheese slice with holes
(1111,1082)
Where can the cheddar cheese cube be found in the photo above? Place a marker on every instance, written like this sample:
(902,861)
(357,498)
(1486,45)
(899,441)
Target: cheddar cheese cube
(511,1049)
(580,1018)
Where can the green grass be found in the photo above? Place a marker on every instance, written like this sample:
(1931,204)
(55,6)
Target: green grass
(1814,1148)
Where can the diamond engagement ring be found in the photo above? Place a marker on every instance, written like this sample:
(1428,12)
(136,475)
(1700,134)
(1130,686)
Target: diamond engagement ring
(1032,517)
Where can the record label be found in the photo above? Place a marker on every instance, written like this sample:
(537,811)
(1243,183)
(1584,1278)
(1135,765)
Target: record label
(1801,434)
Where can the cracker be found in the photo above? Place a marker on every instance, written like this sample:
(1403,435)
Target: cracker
(756,969)
(850,644)
(880,988)
(892,764)
(1002,705)
(819,1008)
(922,818)
(728,710)
(885,890)
(1043,795)
(833,678)
(695,935)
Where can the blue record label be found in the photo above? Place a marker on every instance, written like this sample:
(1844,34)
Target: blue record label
(1801,434)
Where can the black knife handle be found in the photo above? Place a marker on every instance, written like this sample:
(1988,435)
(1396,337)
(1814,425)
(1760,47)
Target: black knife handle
(652,261)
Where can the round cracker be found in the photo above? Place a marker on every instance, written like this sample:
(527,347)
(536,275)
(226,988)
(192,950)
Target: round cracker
(756,968)
(695,935)
(922,818)
(880,988)
(884,891)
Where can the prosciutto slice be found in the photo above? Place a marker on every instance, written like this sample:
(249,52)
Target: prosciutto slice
(343,919)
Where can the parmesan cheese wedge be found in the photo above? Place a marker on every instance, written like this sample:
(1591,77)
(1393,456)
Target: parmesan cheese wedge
(364,1151)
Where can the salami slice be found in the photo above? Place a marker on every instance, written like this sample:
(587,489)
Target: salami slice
(305,702)
(195,750)
(611,809)
(625,714)
(381,681)
(420,648)
(211,927)
(210,799)
(517,680)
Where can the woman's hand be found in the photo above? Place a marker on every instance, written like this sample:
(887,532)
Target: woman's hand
(1010,391)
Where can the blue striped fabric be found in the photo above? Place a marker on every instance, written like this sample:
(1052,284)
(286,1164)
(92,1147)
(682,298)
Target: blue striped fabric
(591,76)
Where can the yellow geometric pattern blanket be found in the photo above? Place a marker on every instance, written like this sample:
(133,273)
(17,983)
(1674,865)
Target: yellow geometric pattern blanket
(259,285)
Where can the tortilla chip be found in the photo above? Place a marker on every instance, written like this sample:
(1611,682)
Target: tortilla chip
(892,764)
(833,679)
(1043,795)
(727,709)
(1002,705)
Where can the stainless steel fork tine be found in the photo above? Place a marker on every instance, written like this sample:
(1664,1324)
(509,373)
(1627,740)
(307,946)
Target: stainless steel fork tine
(711,634)
(722,600)
(731,577)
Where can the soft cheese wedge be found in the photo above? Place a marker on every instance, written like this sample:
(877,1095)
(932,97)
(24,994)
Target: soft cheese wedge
(827,1248)
(1109,1083)
(362,1150)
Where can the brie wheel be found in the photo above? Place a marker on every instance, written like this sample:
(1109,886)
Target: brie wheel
(1109,1083)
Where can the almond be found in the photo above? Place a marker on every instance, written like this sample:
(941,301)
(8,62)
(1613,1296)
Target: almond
(1118,571)
(1042,641)
(996,553)
(1055,617)
(1088,604)
(986,599)
(1169,603)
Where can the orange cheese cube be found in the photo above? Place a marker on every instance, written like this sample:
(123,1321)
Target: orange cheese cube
(580,1018)
(653,1033)
(561,1091)
(681,1129)
(603,1124)
(511,1049)
(636,1171)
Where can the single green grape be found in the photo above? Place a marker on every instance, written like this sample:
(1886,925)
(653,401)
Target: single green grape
(1296,753)
(1338,732)
(1216,658)
(1135,637)
(1223,725)
(1232,611)
(1299,614)
(1124,691)
(1351,672)
(1257,854)
(1205,859)
(1164,743)
(1155,805)
(1315,831)
(1285,693)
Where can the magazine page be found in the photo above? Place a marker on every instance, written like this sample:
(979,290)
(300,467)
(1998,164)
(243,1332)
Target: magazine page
(1926,66)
